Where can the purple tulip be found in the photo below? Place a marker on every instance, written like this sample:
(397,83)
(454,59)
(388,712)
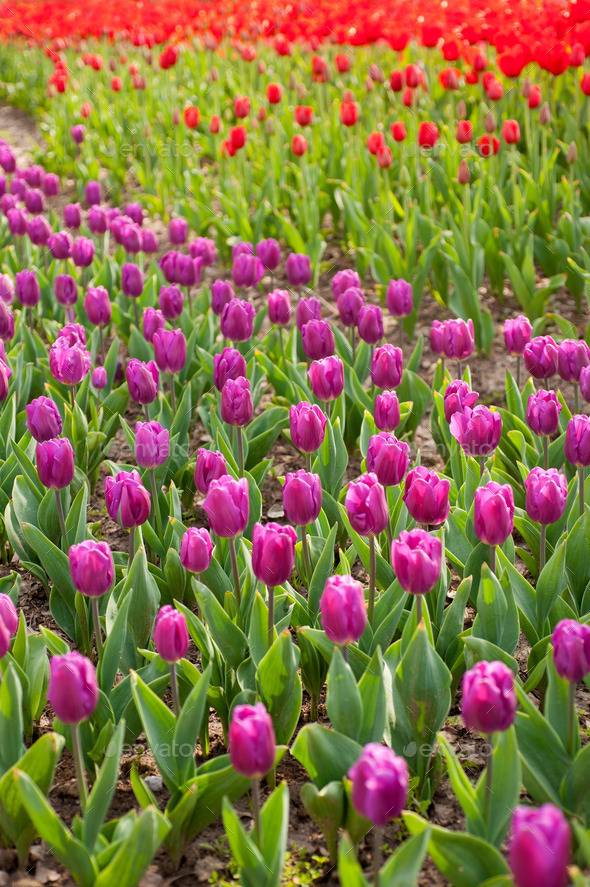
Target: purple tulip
(307,425)
(380,782)
(489,698)
(131,280)
(230,364)
(493,516)
(43,419)
(92,194)
(6,322)
(236,402)
(34,176)
(39,231)
(135,212)
(317,338)
(279,307)
(227,506)
(6,289)
(572,356)
(349,304)
(343,280)
(196,549)
(269,253)
(83,252)
(68,364)
(387,367)
(577,441)
(388,458)
(252,741)
(399,298)
(152,444)
(366,505)
(542,412)
(426,496)
(127,500)
(237,320)
(97,306)
(343,610)
(73,688)
(149,242)
(298,269)
(540,848)
(74,334)
(168,264)
(77,133)
(222,292)
(241,248)
(273,553)
(178,231)
(247,270)
(55,463)
(517,334)
(171,638)
(171,301)
(307,309)
(210,465)
(387,413)
(302,497)
(142,380)
(170,350)
(437,337)
(34,201)
(370,324)
(60,245)
(326,378)
(546,495)
(7,202)
(5,374)
(66,290)
(204,249)
(457,397)
(8,615)
(416,557)
(458,339)
(130,236)
(571,650)
(91,567)
(585,383)
(17,222)
(99,378)
(97,220)
(541,357)
(27,288)
(18,188)
(51,185)
(152,320)
(188,270)
(478,430)
(7,159)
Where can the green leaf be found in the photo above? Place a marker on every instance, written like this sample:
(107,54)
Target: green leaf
(463,789)
(349,870)
(544,759)
(424,681)
(279,686)
(113,648)
(326,808)
(11,719)
(323,570)
(158,723)
(275,825)
(372,693)
(137,851)
(103,789)
(505,788)
(188,725)
(575,788)
(230,639)
(343,699)
(326,755)
(550,584)
(404,865)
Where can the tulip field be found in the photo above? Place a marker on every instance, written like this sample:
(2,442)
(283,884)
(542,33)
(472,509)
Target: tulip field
(294,443)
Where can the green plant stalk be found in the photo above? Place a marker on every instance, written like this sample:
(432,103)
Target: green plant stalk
(419,614)
(271,614)
(542,547)
(482,466)
(97,629)
(576,398)
(372,572)
(131,545)
(488,783)
(234,567)
(545,452)
(306,555)
(308,462)
(572,721)
(282,346)
(493,559)
(377,855)
(136,313)
(581,486)
(256,810)
(61,518)
(174,689)
(156,503)
(79,762)
(172,394)
(240,441)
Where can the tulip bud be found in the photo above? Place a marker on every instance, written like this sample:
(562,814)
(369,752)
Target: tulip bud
(302,497)
(388,458)
(577,441)
(170,350)
(370,324)
(222,292)
(571,650)
(344,280)
(298,269)
(457,397)
(366,505)
(540,849)
(343,610)
(380,782)
(171,638)
(152,320)
(196,549)
(91,567)
(572,153)
(236,402)
(210,465)
(43,419)
(544,114)
(416,558)
(237,320)
(8,618)
(541,357)
(572,356)
(461,110)
(152,444)
(73,688)
(426,496)
(489,698)
(317,339)
(55,463)
(399,298)
(464,173)
(273,553)
(326,378)
(127,500)
(279,307)
(97,306)
(252,741)
(227,506)
(517,334)
(542,413)
(99,378)
(387,367)
(307,309)
(131,280)
(307,426)
(478,430)
(493,516)
(490,122)
(142,380)
(546,495)
(349,303)
(27,288)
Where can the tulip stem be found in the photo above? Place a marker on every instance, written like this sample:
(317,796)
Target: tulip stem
(419,615)
(256,810)
(581,485)
(377,855)
(174,689)
(73,399)
(576,401)
(488,785)
(345,652)
(234,567)
(572,721)
(493,559)
(97,630)
(308,462)
(131,545)
(518,372)
(156,503)
(136,313)
(172,395)
(79,762)
(545,452)
(240,441)
(400,327)
(372,571)
(542,547)
(352,344)
(459,369)
(389,537)
(271,614)
(282,347)
(306,557)
(60,517)
(482,466)
(101,344)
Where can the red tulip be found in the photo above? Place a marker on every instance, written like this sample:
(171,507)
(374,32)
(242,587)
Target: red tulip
(511,132)
(427,135)
(349,113)
(398,131)
(192,116)
(299,145)
(274,93)
(303,115)
(464,132)
(375,142)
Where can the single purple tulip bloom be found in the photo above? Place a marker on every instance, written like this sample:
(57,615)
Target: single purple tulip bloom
(149,241)
(51,185)
(416,557)
(273,553)
(307,309)
(426,496)
(127,500)
(6,322)
(380,782)
(302,497)
(344,280)
(343,610)
(210,465)
(131,238)
(39,231)
(370,324)
(92,194)
(74,334)
(387,366)
(222,292)
(269,253)
(43,419)
(230,364)
(540,848)
(366,505)
(436,338)
(73,688)
(242,248)
(399,298)
(204,249)
(298,269)
(168,264)
(572,356)
(17,222)
(541,357)
(171,637)
(73,215)
(458,396)
(196,549)
(8,615)
(131,280)
(68,364)
(99,378)
(546,495)
(91,567)
(317,338)
(227,505)
(577,441)
(236,402)
(279,307)
(307,425)
(5,374)
(97,306)
(542,413)
(388,458)
(493,515)
(252,743)
(152,320)
(188,270)
(571,650)
(77,133)
(34,201)
(27,288)
(326,378)
(66,290)
(387,412)
(60,245)
(171,302)
(55,463)
(237,320)
(6,289)
(178,231)
(152,444)
(478,430)
(170,350)
(489,698)
(247,270)
(349,304)
(97,220)
(83,250)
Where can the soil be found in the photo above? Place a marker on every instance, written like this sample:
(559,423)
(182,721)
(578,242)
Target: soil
(207,859)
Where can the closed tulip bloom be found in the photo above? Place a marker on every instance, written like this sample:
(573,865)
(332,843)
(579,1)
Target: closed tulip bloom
(227,506)
(307,425)
(97,220)
(73,688)
(546,495)
(171,638)
(511,132)
(6,289)
(168,263)
(152,444)
(307,309)
(436,337)
(388,458)
(142,380)
(427,496)
(458,396)
(149,241)
(188,270)
(51,185)
(252,743)
(370,324)
(493,515)
(69,365)
(43,419)
(152,320)
(572,356)
(91,567)
(478,430)
(269,253)
(416,557)
(279,307)
(131,280)
(387,367)
(317,338)
(92,193)
(241,248)
(177,231)
(577,441)
(489,698)
(349,303)
(302,497)
(585,383)
(343,610)
(571,649)
(344,280)
(540,848)
(55,463)
(222,292)
(247,270)
(237,320)
(399,298)
(298,269)
(17,222)
(99,378)
(127,500)
(170,302)
(210,465)
(204,249)
(542,412)
(273,553)
(380,783)
(6,322)
(170,350)
(196,549)
(60,245)
(5,374)
(97,306)
(27,288)
(83,252)
(74,334)
(230,364)
(326,378)
(236,402)
(387,412)
(517,334)
(66,290)
(541,357)
(366,505)
(458,340)
(8,615)
(39,231)
(135,212)
(131,238)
